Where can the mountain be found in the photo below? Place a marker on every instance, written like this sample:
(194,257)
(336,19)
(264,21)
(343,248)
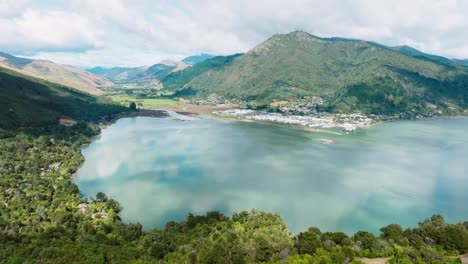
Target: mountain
(349,75)
(62,74)
(27,101)
(197,58)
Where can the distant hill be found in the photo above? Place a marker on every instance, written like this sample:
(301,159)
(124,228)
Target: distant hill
(31,102)
(350,75)
(118,74)
(197,58)
(62,74)
(160,70)
(140,75)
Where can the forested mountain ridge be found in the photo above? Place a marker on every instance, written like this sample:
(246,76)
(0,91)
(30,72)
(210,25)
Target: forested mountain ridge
(350,75)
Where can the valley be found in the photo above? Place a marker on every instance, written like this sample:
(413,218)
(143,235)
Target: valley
(173,163)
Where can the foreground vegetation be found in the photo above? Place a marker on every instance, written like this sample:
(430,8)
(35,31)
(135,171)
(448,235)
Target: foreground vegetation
(45,220)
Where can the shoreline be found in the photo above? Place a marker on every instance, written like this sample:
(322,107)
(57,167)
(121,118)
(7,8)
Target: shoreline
(288,126)
(198,111)
(317,122)
(137,113)
(194,110)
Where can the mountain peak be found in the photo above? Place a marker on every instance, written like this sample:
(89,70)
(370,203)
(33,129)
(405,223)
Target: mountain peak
(301,34)
(297,35)
(280,41)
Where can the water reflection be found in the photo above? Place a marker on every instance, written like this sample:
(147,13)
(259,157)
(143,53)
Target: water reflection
(162,169)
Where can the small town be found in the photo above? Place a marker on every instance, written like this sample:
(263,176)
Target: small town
(347,122)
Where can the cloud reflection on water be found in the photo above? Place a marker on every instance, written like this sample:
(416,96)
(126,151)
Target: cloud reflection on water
(161,169)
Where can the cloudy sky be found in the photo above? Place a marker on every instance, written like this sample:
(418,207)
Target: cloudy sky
(143,32)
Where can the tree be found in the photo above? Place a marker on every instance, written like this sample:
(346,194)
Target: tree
(367,239)
(132,106)
(393,232)
(308,242)
(336,237)
(112,204)
(101,197)
(454,237)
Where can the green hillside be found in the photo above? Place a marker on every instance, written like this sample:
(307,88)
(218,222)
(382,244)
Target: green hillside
(31,102)
(177,80)
(350,75)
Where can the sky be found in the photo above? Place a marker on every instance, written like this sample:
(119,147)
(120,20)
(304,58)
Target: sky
(143,32)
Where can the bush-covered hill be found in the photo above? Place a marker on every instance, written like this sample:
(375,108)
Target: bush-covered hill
(351,75)
(30,102)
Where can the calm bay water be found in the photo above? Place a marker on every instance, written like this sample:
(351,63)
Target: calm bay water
(400,172)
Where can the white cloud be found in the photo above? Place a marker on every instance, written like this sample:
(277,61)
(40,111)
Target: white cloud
(12,8)
(111,32)
(44,30)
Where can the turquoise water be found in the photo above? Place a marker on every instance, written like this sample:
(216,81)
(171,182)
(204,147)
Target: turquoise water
(400,172)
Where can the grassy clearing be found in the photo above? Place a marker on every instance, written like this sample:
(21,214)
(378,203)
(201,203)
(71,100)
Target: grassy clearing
(146,103)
